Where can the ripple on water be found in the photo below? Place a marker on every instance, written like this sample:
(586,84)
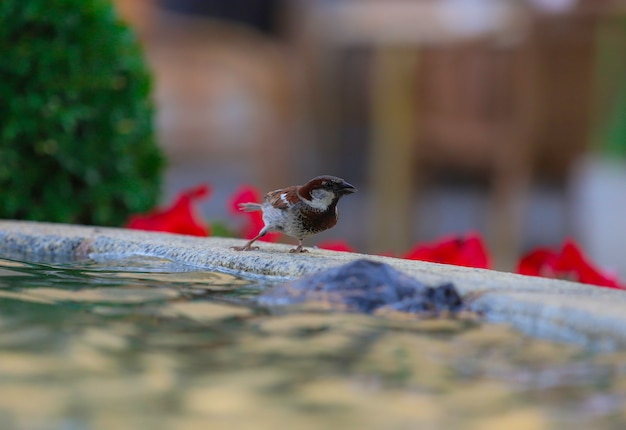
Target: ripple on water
(146,343)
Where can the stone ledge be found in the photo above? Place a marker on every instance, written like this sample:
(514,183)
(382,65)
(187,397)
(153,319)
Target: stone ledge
(542,307)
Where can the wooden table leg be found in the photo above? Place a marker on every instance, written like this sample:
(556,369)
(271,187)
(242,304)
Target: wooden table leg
(392,161)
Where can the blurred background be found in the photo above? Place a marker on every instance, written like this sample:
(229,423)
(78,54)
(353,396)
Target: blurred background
(507,117)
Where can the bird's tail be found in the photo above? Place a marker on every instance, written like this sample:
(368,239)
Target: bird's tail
(250,207)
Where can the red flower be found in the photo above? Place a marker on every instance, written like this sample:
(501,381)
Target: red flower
(178,218)
(569,263)
(469,251)
(249,194)
(336,245)
(538,262)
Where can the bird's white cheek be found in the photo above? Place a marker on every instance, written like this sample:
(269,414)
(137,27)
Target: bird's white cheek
(321,199)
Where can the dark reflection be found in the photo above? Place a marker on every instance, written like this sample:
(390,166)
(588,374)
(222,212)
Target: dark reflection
(106,345)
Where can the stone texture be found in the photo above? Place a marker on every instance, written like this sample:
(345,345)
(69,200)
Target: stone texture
(365,286)
(543,307)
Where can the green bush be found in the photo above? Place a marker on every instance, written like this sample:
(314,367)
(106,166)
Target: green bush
(76,137)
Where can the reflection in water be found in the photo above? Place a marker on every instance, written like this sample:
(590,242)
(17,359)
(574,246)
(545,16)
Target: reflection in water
(104,345)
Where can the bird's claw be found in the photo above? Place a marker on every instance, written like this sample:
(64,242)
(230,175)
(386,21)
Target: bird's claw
(298,250)
(245,248)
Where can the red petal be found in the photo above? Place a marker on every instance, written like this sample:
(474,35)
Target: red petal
(441,251)
(538,262)
(337,245)
(474,253)
(197,192)
(573,262)
(179,218)
(469,251)
(569,263)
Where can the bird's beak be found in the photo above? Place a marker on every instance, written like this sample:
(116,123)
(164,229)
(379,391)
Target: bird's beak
(346,188)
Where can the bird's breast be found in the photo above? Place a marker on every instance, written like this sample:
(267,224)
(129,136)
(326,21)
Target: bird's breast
(310,222)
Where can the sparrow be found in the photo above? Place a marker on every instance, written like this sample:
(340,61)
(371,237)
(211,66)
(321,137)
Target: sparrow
(300,210)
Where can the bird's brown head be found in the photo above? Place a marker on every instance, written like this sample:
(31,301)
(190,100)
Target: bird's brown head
(323,191)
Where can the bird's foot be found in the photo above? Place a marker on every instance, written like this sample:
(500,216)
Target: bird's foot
(246,247)
(298,249)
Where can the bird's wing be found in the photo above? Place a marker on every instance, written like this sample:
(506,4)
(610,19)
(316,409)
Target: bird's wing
(283,198)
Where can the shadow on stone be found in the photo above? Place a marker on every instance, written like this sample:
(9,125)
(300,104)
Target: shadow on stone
(368,287)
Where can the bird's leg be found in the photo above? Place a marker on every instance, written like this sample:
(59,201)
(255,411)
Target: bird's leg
(248,246)
(298,248)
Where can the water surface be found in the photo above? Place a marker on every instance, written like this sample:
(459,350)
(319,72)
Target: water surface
(144,343)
